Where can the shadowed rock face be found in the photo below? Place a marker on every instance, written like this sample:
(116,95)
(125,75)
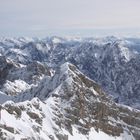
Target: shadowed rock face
(5,68)
(30,73)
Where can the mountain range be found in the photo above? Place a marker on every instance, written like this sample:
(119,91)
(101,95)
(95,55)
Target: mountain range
(70,88)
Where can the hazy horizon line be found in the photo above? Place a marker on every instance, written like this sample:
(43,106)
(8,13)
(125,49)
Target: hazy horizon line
(83,32)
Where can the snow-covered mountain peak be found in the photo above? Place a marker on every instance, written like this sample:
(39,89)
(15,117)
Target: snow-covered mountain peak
(68,69)
(120,48)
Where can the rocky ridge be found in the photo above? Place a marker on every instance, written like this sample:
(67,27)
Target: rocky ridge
(73,105)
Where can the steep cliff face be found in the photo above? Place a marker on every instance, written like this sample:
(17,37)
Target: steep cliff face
(67,106)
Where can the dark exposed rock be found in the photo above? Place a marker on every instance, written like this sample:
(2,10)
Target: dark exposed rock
(13,109)
(35,116)
(5,68)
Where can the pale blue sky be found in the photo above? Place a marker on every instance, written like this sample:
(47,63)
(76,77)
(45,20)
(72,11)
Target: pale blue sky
(69,17)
